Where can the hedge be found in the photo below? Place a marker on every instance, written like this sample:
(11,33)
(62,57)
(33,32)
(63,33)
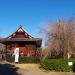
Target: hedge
(23,59)
(58,65)
(29,59)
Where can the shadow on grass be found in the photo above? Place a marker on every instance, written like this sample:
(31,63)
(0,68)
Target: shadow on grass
(8,69)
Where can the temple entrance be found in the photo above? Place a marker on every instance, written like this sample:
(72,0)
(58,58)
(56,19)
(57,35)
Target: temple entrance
(28,45)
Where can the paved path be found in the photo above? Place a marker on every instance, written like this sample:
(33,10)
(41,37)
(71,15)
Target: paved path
(30,69)
(24,72)
(30,72)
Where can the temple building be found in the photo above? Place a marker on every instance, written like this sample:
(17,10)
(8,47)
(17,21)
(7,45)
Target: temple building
(27,44)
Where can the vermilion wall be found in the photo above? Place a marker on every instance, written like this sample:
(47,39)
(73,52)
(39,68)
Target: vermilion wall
(28,51)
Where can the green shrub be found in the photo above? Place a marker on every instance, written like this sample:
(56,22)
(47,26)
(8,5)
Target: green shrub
(30,59)
(58,65)
(23,59)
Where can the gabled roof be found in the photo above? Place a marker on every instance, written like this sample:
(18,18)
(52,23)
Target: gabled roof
(21,36)
(20,31)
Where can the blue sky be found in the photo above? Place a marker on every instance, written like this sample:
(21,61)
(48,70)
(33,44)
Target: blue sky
(32,14)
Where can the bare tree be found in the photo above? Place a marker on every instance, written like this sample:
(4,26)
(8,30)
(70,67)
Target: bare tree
(60,38)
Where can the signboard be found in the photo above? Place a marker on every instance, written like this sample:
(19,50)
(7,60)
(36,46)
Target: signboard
(70,63)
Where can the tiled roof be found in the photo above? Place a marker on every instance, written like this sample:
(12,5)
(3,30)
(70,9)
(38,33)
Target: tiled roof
(21,39)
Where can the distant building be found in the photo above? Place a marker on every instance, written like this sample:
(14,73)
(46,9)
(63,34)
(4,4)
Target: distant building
(28,45)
